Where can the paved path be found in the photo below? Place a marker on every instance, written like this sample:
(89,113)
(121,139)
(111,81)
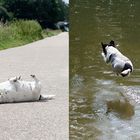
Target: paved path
(48,60)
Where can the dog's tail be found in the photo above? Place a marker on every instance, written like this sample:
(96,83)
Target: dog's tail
(46,97)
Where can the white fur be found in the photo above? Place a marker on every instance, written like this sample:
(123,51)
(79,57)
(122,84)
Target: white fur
(17,90)
(126,71)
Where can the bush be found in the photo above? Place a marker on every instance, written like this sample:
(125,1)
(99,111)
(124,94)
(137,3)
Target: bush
(19,33)
(27,29)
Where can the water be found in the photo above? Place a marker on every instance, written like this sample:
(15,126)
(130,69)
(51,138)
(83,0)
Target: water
(103,106)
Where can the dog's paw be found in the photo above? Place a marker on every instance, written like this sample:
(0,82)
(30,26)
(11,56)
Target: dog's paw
(19,78)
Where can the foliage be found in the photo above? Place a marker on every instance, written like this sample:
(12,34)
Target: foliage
(4,14)
(50,32)
(19,33)
(46,12)
(25,16)
(25,28)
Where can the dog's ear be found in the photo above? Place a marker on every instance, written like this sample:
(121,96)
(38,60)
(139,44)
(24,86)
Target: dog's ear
(112,43)
(104,46)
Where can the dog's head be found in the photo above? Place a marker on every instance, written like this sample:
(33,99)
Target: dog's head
(112,44)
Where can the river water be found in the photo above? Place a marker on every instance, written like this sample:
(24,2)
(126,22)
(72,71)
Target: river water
(104,106)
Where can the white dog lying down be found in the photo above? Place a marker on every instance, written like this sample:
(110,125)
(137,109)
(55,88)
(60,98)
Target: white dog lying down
(120,63)
(17,90)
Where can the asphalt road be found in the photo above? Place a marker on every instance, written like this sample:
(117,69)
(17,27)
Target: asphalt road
(48,60)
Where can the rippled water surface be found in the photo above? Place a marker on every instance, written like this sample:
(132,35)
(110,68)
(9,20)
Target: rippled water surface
(104,106)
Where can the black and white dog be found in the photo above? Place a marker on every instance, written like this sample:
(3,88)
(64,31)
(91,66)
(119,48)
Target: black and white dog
(121,64)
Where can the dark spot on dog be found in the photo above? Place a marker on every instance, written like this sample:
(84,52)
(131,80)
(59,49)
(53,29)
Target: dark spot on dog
(33,76)
(15,80)
(19,77)
(127,66)
(112,43)
(30,87)
(111,57)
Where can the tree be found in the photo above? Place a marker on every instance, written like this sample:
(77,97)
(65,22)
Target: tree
(46,12)
(4,14)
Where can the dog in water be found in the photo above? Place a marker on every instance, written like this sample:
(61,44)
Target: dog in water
(18,90)
(121,65)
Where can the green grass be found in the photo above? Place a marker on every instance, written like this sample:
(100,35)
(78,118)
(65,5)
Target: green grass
(49,32)
(22,32)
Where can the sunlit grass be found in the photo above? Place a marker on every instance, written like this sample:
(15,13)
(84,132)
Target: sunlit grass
(50,32)
(22,32)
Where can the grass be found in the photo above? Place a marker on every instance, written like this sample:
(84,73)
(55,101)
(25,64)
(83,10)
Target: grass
(22,32)
(49,32)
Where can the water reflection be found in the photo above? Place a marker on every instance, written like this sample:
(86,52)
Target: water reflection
(122,109)
(102,105)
